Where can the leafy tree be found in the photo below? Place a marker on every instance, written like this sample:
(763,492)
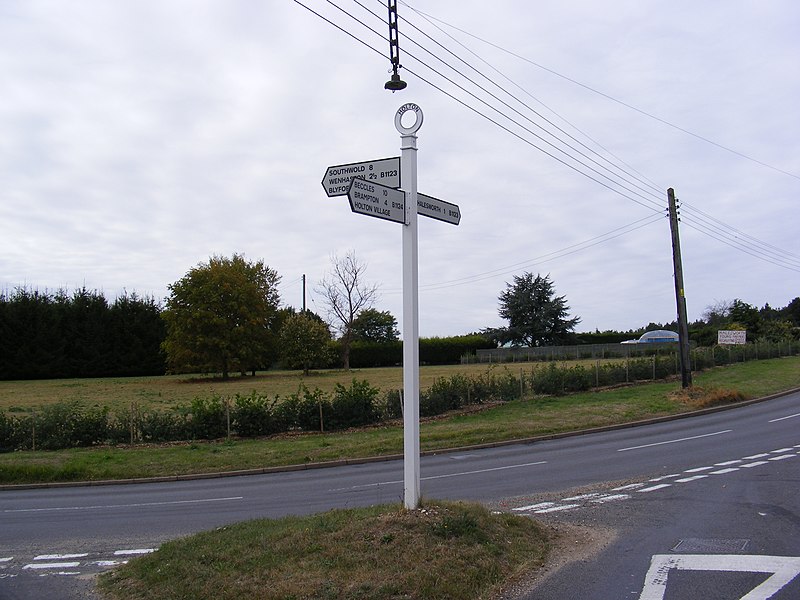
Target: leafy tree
(746,315)
(220,316)
(304,341)
(346,294)
(536,316)
(375,326)
(792,312)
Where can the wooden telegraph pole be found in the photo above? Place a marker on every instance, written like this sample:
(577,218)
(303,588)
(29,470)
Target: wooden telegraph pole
(680,297)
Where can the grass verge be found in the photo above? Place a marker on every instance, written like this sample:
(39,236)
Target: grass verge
(442,551)
(512,420)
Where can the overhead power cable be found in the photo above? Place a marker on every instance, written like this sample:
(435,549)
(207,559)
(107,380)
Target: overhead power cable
(723,235)
(607,96)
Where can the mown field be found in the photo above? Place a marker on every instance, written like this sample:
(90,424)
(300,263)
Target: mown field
(527,417)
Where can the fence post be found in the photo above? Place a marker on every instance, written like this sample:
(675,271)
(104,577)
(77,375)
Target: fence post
(627,361)
(521,384)
(321,423)
(33,432)
(228,416)
(597,373)
(654,367)
(130,423)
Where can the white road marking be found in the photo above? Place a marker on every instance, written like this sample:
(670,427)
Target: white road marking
(686,439)
(134,552)
(534,506)
(109,563)
(783,418)
(463,473)
(630,486)
(782,456)
(610,498)
(663,477)
(727,463)
(134,505)
(755,456)
(556,508)
(783,570)
(724,471)
(782,450)
(692,478)
(653,488)
(6,559)
(698,469)
(757,463)
(60,556)
(581,497)
(58,565)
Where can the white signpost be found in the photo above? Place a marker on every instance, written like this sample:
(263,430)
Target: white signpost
(385,171)
(376,200)
(438,209)
(371,188)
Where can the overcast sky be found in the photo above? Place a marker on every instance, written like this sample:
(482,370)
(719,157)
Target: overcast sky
(140,137)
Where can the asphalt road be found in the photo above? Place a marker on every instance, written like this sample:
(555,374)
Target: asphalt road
(656,485)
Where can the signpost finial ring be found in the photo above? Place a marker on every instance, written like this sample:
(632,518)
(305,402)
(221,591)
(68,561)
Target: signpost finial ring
(398,119)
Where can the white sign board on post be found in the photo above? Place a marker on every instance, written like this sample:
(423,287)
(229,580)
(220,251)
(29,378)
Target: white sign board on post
(376,200)
(385,171)
(438,209)
(731,337)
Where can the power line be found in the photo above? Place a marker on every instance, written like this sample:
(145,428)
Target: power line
(723,236)
(609,97)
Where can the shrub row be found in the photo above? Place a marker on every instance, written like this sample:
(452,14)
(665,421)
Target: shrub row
(66,425)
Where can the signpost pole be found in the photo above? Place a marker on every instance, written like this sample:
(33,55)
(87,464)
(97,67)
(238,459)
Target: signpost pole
(408,182)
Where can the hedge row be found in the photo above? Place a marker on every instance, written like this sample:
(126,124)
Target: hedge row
(66,425)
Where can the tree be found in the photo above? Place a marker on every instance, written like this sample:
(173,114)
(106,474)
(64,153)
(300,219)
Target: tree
(536,316)
(220,316)
(304,340)
(346,294)
(375,326)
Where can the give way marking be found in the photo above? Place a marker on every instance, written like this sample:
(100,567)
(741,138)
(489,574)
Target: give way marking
(783,568)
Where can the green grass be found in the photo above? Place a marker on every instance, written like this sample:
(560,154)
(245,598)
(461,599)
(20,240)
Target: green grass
(512,420)
(450,551)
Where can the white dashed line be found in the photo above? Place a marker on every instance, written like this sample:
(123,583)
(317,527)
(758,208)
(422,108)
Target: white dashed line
(534,506)
(727,463)
(782,450)
(109,563)
(630,486)
(784,418)
(134,552)
(698,469)
(581,497)
(556,508)
(653,488)
(6,559)
(663,477)
(58,565)
(611,498)
(60,556)
(686,439)
(724,471)
(755,456)
(757,463)
(692,478)
(782,456)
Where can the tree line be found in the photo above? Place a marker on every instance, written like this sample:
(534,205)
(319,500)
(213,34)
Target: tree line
(224,316)
(56,335)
